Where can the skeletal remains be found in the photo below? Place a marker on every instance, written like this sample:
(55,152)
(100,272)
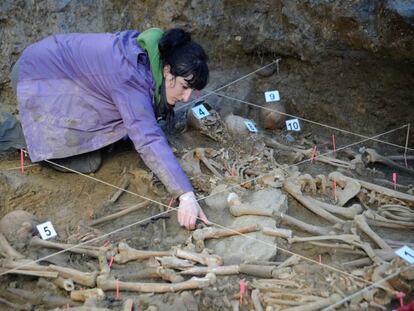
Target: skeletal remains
(287,285)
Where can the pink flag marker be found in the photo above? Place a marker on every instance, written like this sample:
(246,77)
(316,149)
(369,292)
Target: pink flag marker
(111,261)
(400,295)
(334,189)
(394,180)
(313,154)
(243,286)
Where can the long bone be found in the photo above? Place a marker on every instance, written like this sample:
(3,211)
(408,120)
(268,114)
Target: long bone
(200,235)
(294,190)
(372,156)
(362,224)
(155,273)
(204,259)
(385,191)
(278,232)
(85,294)
(119,214)
(83,278)
(92,251)
(347,212)
(317,305)
(126,253)
(289,220)
(347,238)
(174,262)
(43,274)
(194,283)
(221,270)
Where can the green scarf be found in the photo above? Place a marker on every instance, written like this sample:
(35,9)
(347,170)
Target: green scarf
(148,40)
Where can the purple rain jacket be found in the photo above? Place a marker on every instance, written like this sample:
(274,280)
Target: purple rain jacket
(80,92)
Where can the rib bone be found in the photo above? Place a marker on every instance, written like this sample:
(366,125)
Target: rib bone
(295,191)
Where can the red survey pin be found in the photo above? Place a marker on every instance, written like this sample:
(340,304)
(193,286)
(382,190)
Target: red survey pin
(400,295)
(394,180)
(22,161)
(111,261)
(242,290)
(313,154)
(106,243)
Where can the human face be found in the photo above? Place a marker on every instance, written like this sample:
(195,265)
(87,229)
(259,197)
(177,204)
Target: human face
(176,88)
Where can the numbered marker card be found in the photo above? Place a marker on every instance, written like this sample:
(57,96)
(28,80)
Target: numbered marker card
(250,126)
(406,253)
(200,111)
(293,125)
(46,230)
(272,96)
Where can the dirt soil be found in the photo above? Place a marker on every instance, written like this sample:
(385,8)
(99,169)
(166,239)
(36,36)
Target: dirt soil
(71,201)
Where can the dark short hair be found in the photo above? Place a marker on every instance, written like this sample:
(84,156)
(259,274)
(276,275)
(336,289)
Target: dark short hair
(185,57)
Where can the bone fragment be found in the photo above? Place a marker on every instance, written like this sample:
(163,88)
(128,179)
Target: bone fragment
(43,298)
(66,284)
(86,250)
(128,305)
(155,273)
(200,154)
(216,233)
(291,261)
(124,183)
(126,253)
(204,259)
(221,270)
(350,189)
(278,232)
(83,278)
(194,283)
(294,190)
(289,220)
(83,295)
(317,305)
(256,300)
(388,192)
(377,220)
(362,224)
(175,263)
(257,270)
(7,250)
(15,306)
(120,213)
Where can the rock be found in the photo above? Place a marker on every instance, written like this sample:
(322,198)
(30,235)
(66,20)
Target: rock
(257,247)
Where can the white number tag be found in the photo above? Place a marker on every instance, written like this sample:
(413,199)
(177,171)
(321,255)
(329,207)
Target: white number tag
(406,253)
(272,96)
(46,230)
(293,125)
(200,111)
(250,126)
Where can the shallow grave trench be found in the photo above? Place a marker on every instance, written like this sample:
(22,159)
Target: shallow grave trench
(258,169)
